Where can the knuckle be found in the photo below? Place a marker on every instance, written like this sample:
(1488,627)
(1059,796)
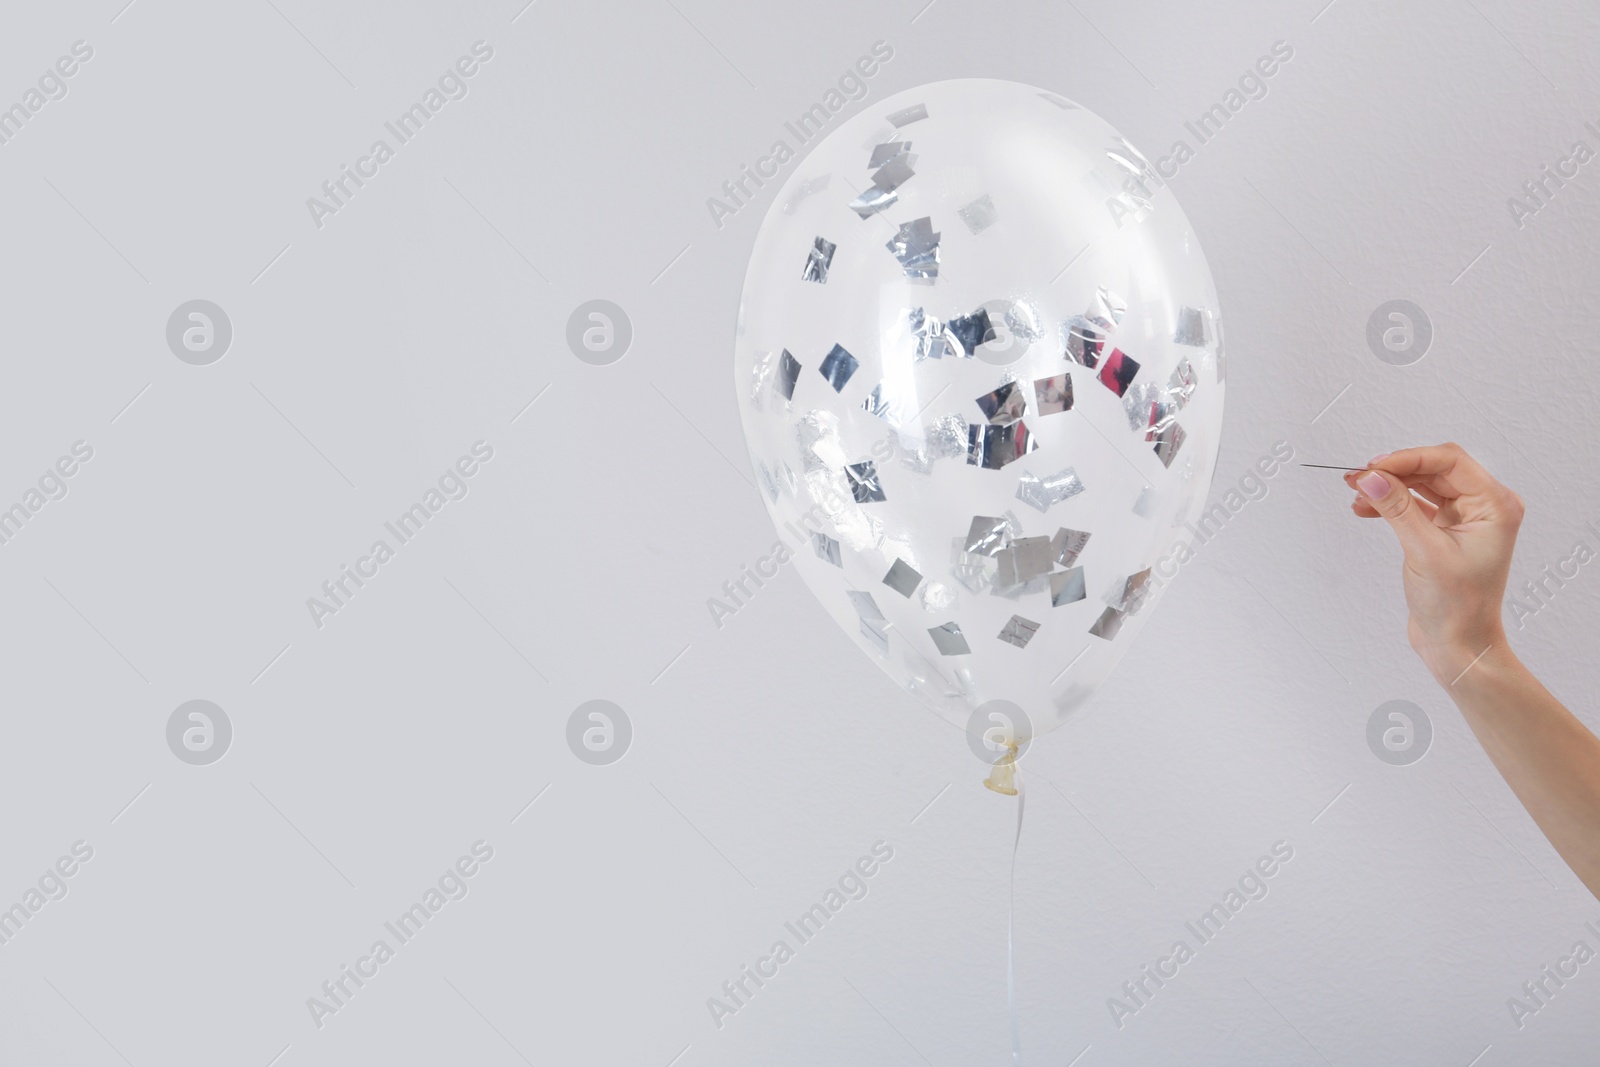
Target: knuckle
(1515,509)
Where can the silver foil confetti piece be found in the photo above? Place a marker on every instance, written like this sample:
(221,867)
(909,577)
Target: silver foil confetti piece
(826,548)
(1030,490)
(830,485)
(903,578)
(907,115)
(1003,406)
(959,337)
(1016,592)
(866,608)
(1083,340)
(885,404)
(929,333)
(947,437)
(1163,412)
(1134,204)
(874,627)
(1053,395)
(763,375)
(1168,441)
(1018,631)
(805,189)
(1067,545)
(873,200)
(987,535)
(882,153)
(970,331)
(1222,355)
(838,366)
(877,633)
(1117,371)
(1130,595)
(917,460)
(1137,592)
(855,529)
(1067,587)
(1042,494)
(767,481)
(1107,625)
(1013,525)
(1064,484)
(817,435)
(974,576)
(1191,328)
(1137,403)
(1022,560)
(879,402)
(1023,320)
(788,374)
(1181,386)
(1145,505)
(1107,306)
(992,447)
(817,263)
(975,572)
(916,246)
(895,173)
(864,482)
(937,598)
(979,215)
(949,640)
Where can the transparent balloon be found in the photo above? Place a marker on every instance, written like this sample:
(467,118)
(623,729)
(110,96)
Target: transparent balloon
(980,370)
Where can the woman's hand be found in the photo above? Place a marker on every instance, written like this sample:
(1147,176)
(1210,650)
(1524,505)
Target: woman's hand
(1457,533)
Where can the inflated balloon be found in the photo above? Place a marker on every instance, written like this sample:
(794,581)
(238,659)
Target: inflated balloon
(980,371)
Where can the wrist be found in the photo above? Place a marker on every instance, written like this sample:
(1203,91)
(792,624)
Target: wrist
(1459,663)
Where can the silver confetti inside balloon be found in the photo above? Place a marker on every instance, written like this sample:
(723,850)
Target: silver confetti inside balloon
(993,301)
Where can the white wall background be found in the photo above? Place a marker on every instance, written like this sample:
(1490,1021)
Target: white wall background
(766,755)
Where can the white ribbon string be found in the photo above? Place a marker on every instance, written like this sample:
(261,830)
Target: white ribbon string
(1011,915)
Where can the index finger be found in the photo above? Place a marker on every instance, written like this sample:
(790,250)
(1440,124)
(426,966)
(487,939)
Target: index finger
(1446,469)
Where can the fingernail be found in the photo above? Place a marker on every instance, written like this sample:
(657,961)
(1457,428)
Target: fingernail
(1379,458)
(1375,486)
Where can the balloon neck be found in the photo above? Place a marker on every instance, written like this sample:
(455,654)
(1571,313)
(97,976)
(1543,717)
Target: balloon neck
(1003,777)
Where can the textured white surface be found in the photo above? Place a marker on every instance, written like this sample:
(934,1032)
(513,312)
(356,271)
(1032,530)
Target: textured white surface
(767,755)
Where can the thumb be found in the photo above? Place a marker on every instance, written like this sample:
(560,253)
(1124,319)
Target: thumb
(1390,498)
